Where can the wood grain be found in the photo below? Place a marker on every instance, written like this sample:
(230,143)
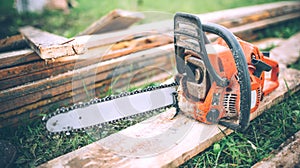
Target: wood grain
(15,42)
(48,45)
(19,100)
(38,70)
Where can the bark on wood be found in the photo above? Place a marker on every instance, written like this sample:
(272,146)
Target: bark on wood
(116,20)
(129,147)
(49,45)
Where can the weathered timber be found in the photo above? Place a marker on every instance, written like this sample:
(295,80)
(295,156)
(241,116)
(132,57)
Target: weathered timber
(229,18)
(250,14)
(15,42)
(44,106)
(49,45)
(288,52)
(161,141)
(247,31)
(105,66)
(15,76)
(19,57)
(83,82)
(115,20)
(21,101)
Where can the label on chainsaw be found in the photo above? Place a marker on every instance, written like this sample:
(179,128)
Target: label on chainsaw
(253,98)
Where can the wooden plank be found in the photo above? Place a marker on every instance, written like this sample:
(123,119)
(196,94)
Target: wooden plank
(19,75)
(234,17)
(16,76)
(45,105)
(84,83)
(245,30)
(15,58)
(228,18)
(19,100)
(161,141)
(241,31)
(115,20)
(49,45)
(15,42)
(289,48)
(241,15)
(102,67)
(250,14)
(107,56)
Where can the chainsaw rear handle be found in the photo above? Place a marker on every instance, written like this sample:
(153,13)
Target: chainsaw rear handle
(238,55)
(271,83)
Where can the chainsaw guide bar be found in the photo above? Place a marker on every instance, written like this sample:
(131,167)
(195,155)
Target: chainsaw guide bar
(111,109)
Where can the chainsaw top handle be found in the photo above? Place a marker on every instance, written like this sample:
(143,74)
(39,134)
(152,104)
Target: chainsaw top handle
(189,35)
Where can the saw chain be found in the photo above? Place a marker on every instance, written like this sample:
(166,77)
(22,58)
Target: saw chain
(96,100)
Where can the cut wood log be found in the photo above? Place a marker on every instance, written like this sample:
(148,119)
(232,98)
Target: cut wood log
(116,20)
(49,45)
(161,141)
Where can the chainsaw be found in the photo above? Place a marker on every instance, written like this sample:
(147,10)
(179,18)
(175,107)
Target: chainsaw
(219,82)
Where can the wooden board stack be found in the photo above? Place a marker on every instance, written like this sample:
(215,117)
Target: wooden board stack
(31,85)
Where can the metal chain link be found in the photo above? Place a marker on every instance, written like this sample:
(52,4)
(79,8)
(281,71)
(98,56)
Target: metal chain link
(100,100)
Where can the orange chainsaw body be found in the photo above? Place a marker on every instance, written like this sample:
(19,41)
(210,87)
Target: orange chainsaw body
(226,101)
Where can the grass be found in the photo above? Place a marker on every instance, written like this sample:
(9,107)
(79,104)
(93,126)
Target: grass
(282,31)
(86,12)
(265,133)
